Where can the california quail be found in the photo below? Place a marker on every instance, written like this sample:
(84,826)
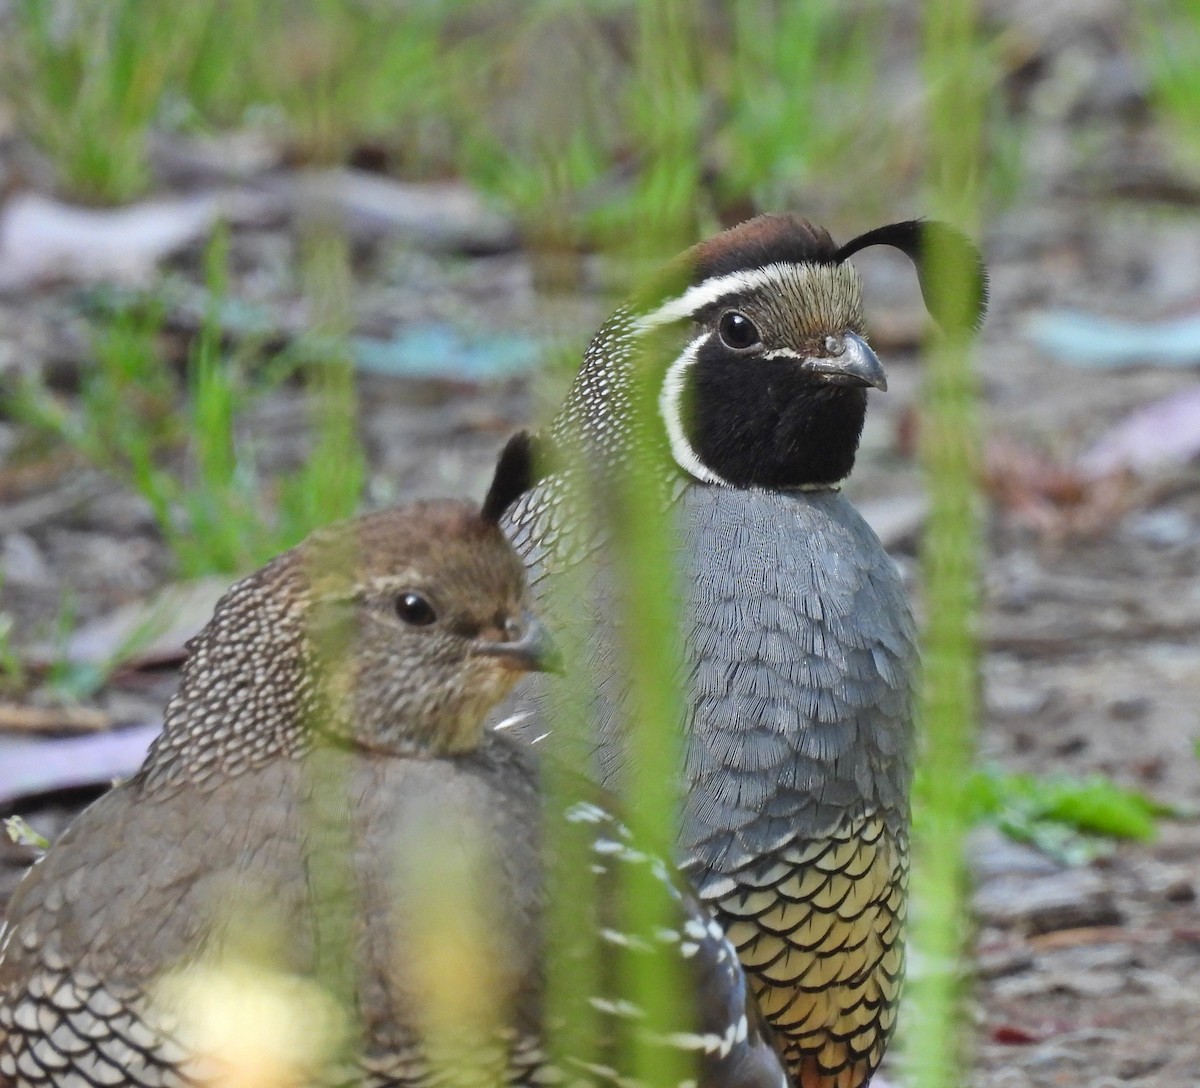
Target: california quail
(145,913)
(798,660)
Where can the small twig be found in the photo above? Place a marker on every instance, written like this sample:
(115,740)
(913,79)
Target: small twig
(20,516)
(1086,640)
(21,480)
(15,718)
(1090,935)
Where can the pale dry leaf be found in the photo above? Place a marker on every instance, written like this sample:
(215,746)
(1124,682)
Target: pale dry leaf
(43,241)
(1160,435)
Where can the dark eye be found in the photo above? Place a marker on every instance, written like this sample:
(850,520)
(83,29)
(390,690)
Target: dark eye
(737,331)
(415,610)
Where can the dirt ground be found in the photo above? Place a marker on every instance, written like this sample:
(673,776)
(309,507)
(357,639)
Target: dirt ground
(1087,975)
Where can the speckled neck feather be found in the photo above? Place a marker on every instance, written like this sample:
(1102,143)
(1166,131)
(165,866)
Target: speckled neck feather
(310,646)
(248,685)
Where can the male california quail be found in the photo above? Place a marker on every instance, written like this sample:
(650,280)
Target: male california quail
(799,662)
(350,679)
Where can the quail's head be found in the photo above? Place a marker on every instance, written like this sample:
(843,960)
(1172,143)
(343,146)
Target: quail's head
(394,632)
(757,341)
(421,626)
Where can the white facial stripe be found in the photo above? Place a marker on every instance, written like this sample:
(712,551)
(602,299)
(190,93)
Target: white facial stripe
(783,353)
(710,291)
(670,408)
(828,293)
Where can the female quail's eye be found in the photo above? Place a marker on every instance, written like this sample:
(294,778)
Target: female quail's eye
(737,331)
(415,610)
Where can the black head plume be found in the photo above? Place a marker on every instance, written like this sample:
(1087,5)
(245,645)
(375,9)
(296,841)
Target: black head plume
(917,239)
(515,474)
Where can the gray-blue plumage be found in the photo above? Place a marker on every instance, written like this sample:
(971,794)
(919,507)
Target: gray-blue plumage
(799,666)
(800,660)
(801,727)
(798,663)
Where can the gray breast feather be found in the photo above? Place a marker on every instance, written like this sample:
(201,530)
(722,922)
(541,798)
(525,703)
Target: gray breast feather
(799,662)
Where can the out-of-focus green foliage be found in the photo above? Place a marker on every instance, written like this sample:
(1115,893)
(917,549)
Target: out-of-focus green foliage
(1070,818)
(13,674)
(87,79)
(584,117)
(183,450)
(1170,38)
(954,69)
(22,834)
(324,74)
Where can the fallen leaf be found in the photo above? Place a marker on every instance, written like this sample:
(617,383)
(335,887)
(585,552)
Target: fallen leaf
(1087,340)
(43,241)
(32,767)
(52,719)
(438,350)
(434,215)
(1054,498)
(1014,1035)
(1160,435)
(141,633)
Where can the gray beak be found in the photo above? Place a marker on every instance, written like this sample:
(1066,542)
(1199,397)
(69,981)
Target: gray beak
(854,364)
(529,647)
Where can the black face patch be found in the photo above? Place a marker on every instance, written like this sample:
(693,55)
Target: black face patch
(767,423)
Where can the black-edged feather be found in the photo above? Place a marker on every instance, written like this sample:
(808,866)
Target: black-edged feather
(917,239)
(516,472)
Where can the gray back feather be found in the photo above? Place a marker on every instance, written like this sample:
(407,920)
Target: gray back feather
(799,663)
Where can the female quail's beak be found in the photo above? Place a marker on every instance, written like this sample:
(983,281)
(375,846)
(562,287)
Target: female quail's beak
(528,647)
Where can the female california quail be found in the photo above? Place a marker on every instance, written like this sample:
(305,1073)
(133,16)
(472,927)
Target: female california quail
(799,661)
(326,829)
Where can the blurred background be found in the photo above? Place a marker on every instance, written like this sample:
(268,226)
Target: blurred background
(264,263)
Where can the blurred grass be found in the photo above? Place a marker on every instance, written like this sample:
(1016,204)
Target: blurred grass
(1169,36)
(326,75)
(1072,819)
(13,674)
(86,80)
(630,126)
(577,116)
(182,444)
(779,130)
(934,1035)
